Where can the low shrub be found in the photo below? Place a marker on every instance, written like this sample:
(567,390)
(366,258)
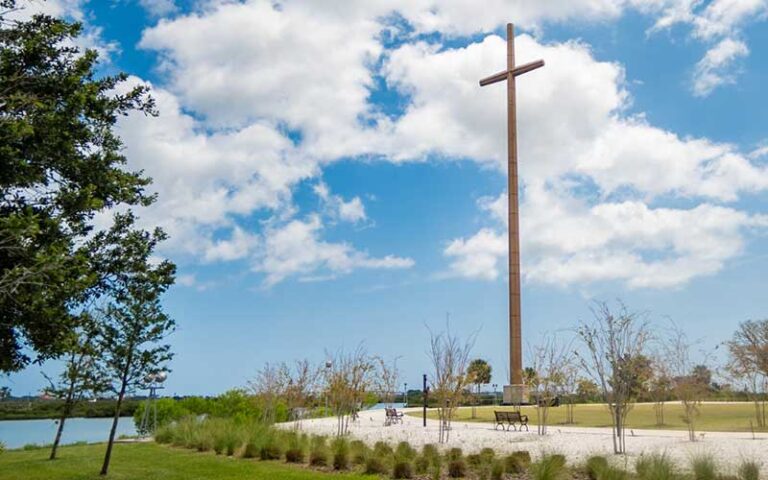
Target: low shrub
(457,468)
(405,451)
(251,450)
(595,466)
(318,454)
(517,462)
(749,470)
(271,451)
(657,466)
(474,460)
(549,467)
(164,435)
(497,470)
(421,465)
(430,451)
(359,452)
(294,455)
(382,449)
(374,465)
(402,469)
(487,454)
(340,454)
(454,454)
(704,467)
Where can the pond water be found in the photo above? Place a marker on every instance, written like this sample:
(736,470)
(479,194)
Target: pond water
(17,433)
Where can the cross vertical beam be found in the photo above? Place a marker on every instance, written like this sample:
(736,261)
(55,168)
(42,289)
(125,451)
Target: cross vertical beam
(516,392)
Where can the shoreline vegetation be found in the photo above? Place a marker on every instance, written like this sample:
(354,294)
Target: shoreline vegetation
(51,409)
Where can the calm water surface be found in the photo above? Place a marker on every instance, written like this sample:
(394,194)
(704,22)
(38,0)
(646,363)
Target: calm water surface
(17,433)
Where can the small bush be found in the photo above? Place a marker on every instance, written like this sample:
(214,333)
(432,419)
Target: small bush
(31,446)
(374,465)
(270,451)
(457,468)
(359,452)
(497,470)
(421,465)
(517,462)
(749,470)
(474,460)
(340,454)
(549,467)
(488,454)
(382,449)
(294,455)
(595,466)
(164,435)
(430,451)
(454,454)
(318,455)
(704,467)
(251,450)
(655,467)
(402,469)
(2,448)
(405,451)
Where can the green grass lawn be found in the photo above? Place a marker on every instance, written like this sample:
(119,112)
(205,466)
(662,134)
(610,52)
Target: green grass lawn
(734,417)
(148,461)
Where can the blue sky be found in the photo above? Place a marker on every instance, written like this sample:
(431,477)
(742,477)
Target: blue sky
(330,173)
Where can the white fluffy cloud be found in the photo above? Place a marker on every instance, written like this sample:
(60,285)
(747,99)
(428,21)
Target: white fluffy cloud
(159,8)
(575,137)
(295,248)
(715,68)
(285,88)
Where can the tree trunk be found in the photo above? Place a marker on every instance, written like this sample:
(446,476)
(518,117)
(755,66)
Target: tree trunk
(65,413)
(113,430)
(56,441)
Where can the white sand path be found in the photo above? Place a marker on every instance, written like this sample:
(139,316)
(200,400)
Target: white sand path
(575,443)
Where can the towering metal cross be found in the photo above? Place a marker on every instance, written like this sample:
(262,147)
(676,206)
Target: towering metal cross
(516,393)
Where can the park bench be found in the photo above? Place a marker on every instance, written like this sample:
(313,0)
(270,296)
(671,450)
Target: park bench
(511,418)
(392,416)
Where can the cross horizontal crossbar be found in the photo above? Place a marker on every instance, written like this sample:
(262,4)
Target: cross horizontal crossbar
(498,77)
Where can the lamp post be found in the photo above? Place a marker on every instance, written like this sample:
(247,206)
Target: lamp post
(153,382)
(405,394)
(495,398)
(328,366)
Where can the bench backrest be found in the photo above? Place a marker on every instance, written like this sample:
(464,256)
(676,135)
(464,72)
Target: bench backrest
(507,416)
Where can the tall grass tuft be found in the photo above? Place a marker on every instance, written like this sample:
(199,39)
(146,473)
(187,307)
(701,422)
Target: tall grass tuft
(549,467)
(595,466)
(749,470)
(704,467)
(657,466)
(318,454)
(402,469)
(340,454)
(497,470)
(517,462)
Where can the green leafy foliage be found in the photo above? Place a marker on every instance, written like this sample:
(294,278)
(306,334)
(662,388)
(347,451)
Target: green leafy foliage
(60,164)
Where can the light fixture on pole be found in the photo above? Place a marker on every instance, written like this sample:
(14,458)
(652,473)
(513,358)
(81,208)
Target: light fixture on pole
(153,382)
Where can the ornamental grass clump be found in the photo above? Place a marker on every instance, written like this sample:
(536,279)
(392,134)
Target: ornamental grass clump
(272,448)
(359,451)
(375,465)
(704,467)
(340,454)
(549,467)
(318,454)
(457,468)
(405,451)
(749,470)
(497,470)
(402,469)
(297,447)
(517,462)
(595,466)
(657,466)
